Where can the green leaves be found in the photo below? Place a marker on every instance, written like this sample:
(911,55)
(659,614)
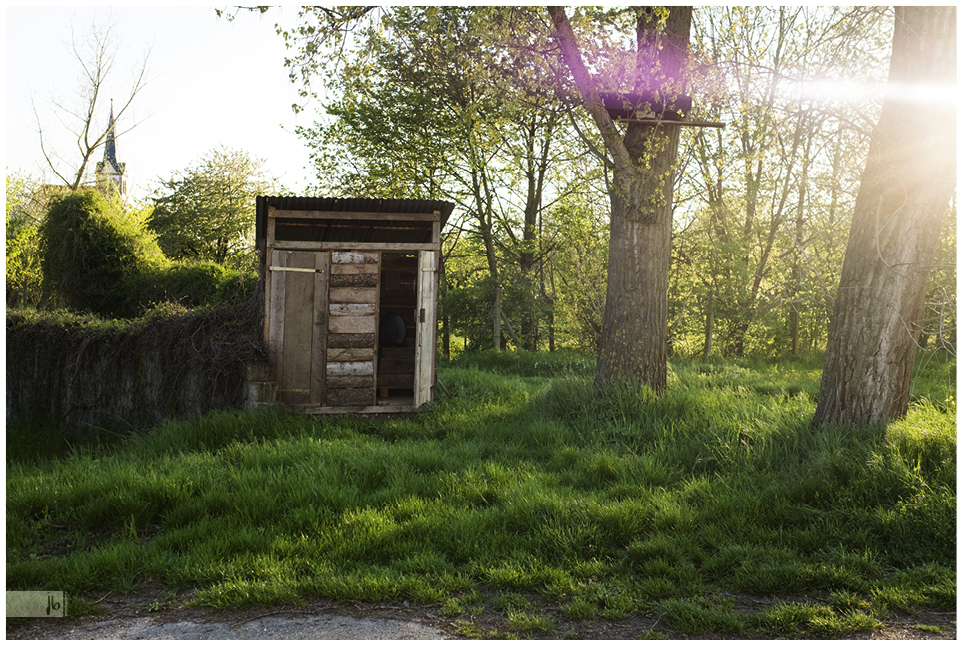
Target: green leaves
(207,212)
(91,246)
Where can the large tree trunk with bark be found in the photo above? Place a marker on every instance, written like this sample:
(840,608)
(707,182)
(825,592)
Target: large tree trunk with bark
(633,346)
(904,192)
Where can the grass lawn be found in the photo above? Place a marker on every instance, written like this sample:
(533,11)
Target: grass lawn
(523,495)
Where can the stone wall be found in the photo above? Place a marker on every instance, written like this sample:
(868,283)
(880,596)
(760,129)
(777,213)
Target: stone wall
(82,374)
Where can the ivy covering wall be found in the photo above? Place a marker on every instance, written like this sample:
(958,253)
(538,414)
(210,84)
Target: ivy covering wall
(81,373)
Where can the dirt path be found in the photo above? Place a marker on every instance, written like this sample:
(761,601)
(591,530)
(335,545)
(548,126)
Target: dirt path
(200,626)
(133,617)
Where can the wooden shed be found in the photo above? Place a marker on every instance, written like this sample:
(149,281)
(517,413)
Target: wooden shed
(351,300)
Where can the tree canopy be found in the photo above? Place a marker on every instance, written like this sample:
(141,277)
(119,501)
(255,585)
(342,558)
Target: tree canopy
(206,211)
(461,103)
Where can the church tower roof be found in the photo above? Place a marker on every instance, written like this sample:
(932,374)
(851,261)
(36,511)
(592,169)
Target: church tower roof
(110,149)
(109,167)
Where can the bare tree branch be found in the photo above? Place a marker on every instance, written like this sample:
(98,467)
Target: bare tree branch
(586,86)
(96,62)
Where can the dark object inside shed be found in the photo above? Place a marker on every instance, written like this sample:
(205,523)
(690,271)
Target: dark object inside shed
(392,330)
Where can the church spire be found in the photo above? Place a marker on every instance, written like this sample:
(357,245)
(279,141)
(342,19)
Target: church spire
(110,168)
(110,150)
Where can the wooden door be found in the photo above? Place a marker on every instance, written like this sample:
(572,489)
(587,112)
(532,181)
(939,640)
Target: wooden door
(297,320)
(426,326)
(322,327)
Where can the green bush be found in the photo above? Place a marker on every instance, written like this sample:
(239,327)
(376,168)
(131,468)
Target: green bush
(23,267)
(193,283)
(91,247)
(99,258)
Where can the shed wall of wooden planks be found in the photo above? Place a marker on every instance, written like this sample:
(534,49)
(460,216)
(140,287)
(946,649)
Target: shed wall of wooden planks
(352,329)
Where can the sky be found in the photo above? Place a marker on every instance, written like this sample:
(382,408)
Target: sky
(212,83)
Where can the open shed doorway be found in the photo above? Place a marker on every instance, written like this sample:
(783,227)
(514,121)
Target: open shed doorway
(397,331)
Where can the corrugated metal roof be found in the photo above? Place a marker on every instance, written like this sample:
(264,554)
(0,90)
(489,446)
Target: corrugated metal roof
(331,204)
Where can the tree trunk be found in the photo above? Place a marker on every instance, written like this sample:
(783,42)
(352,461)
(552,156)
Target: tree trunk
(795,272)
(483,208)
(445,319)
(536,168)
(903,195)
(550,299)
(497,319)
(633,346)
(710,325)
(794,308)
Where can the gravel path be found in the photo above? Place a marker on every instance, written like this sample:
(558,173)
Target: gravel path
(133,617)
(325,627)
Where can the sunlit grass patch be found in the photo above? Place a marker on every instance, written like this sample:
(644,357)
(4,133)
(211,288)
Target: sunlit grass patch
(794,619)
(701,616)
(579,609)
(928,585)
(846,613)
(471,603)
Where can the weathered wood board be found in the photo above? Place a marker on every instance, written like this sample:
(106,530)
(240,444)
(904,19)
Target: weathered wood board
(348,381)
(366,309)
(354,257)
(352,325)
(355,280)
(353,368)
(343,295)
(350,396)
(298,289)
(354,269)
(351,354)
(351,340)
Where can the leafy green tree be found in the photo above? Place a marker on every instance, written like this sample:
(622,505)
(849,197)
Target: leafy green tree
(939,322)
(207,210)
(436,105)
(760,238)
(575,273)
(25,204)
(633,343)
